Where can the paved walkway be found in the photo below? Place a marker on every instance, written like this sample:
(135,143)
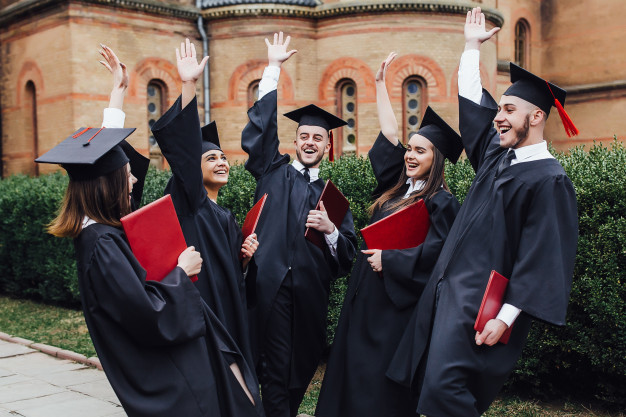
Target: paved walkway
(36,384)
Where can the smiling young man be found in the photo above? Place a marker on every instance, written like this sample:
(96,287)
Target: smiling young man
(519,219)
(294,275)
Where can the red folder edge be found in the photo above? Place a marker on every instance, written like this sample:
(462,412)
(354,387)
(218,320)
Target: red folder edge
(492,303)
(252,219)
(371,233)
(156,251)
(335,214)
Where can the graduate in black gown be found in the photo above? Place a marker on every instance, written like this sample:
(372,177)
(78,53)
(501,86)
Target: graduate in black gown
(162,349)
(294,275)
(199,170)
(519,219)
(385,285)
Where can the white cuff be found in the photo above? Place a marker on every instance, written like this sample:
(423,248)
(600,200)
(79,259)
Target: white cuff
(269,81)
(470,86)
(508,314)
(113,118)
(331,241)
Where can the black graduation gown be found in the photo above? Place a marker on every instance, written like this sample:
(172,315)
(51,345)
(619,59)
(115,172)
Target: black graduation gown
(284,249)
(210,228)
(162,349)
(521,223)
(376,309)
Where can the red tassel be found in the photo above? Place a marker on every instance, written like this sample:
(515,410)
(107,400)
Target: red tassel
(331,153)
(75,135)
(570,128)
(93,136)
(568,124)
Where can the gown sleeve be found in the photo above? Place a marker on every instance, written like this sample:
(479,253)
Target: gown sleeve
(406,271)
(179,136)
(259,138)
(541,279)
(476,126)
(346,248)
(152,313)
(387,163)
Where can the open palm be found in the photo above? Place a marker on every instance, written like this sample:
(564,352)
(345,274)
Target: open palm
(475,27)
(187,62)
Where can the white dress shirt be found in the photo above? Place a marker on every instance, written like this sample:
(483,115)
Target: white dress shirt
(418,185)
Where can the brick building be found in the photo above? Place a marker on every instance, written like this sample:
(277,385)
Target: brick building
(51,82)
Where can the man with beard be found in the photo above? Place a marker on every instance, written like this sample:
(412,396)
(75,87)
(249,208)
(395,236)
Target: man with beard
(519,219)
(288,323)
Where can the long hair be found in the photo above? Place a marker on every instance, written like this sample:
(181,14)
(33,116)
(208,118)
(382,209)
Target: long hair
(435,181)
(103,199)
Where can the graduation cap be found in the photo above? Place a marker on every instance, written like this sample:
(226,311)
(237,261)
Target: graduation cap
(441,135)
(91,152)
(312,115)
(541,93)
(210,138)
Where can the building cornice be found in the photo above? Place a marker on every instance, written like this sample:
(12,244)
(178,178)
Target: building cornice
(347,8)
(28,8)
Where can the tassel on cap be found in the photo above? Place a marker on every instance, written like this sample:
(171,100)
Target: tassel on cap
(568,124)
(331,152)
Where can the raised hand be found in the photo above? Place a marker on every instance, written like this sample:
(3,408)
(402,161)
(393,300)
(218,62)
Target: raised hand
(188,68)
(475,32)
(277,52)
(382,71)
(115,67)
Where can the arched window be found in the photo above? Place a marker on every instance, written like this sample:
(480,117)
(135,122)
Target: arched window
(522,37)
(30,126)
(253,92)
(346,140)
(413,105)
(155,105)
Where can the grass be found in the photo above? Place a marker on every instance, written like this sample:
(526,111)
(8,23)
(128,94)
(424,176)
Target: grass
(65,328)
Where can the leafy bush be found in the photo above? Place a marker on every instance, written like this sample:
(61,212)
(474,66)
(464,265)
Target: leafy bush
(585,359)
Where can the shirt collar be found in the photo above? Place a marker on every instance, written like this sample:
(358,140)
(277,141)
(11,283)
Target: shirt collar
(314,173)
(418,186)
(530,151)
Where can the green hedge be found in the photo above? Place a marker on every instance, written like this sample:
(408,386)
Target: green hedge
(586,359)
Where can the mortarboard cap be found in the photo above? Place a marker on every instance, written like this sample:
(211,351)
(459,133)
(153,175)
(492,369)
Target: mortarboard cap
(539,92)
(312,115)
(89,152)
(441,135)
(210,138)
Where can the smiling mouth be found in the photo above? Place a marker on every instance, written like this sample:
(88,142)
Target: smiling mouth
(221,172)
(310,151)
(504,129)
(411,165)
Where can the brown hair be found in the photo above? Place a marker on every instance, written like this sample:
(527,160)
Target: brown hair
(103,199)
(435,181)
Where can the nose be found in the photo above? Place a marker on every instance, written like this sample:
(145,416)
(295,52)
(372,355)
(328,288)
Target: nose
(133,179)
(499,117)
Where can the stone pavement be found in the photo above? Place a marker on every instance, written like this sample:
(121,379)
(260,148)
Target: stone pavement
(37,384)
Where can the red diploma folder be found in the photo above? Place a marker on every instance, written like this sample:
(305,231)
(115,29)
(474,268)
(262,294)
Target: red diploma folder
(406,228)
(252,218)
(336,205)
(155,237)
(492,303)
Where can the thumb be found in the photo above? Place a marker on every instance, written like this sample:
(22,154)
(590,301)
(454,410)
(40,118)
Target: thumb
(369,251)
(494,31)
(322,208)
(204,61)
(292,52)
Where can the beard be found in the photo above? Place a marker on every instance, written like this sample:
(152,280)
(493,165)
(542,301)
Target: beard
(309,164)
(522,133)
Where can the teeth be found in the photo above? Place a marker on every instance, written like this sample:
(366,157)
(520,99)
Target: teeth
(309,151)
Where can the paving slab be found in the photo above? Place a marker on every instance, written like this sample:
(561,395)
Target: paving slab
(8,349)
(64,404)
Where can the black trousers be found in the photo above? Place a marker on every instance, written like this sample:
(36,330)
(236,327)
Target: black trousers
(278,399)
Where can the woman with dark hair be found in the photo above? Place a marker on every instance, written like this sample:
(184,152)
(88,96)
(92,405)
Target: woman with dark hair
(385,285)
(162,349)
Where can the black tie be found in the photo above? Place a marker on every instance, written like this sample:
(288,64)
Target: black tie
(307,177)
(506,162)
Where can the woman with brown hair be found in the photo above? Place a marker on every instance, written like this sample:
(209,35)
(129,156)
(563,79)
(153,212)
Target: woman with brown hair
(162,349)
(385,285)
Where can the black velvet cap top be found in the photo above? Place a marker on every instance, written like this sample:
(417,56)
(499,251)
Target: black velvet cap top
(441,135)
(534,89)
(210,138)
(90,152)
(312,115)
